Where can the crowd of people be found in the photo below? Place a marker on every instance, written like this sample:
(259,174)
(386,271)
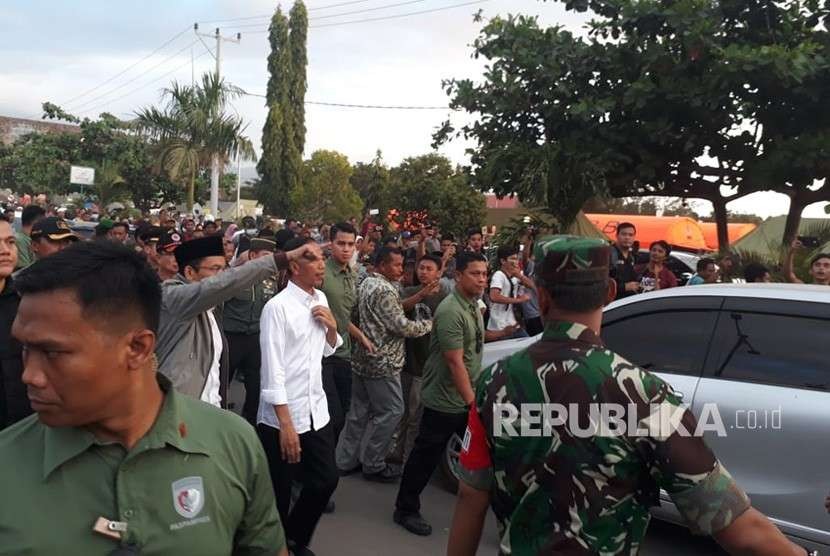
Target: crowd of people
(359,353)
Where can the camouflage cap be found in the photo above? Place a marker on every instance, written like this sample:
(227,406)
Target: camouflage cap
(571,260)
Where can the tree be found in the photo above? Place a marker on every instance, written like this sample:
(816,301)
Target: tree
(192,129)
(326,194)
(110,185)
(430,183)
(282,135)
(690,98)
(371,180)
(297,39)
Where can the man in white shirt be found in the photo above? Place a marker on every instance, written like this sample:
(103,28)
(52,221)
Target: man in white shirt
(504,293)
(297,330)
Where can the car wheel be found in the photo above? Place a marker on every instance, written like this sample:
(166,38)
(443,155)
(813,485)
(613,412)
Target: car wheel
(449,464)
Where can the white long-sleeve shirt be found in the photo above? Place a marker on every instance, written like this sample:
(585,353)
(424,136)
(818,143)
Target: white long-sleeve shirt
(293,346)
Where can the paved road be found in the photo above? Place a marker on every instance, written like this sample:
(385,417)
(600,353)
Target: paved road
(363,526)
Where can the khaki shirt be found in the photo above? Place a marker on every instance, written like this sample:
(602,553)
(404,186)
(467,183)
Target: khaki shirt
(197,483)
(458,324)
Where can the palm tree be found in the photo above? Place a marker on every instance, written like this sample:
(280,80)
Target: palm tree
(193,128)
(110,186)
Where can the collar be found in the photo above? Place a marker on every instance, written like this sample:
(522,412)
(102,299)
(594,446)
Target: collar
(335,267)
(558,330)
(463,300)
(301,294)
(62,444)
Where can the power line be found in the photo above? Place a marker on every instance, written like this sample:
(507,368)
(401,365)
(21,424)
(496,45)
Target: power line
(134,79)
(353,12)
(122,72)
(366,106)
(383,18)
(174,70)
(339,4)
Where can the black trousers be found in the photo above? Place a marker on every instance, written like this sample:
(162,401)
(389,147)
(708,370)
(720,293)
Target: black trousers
(244,355)
(316,472)
(436,430)
(337,384)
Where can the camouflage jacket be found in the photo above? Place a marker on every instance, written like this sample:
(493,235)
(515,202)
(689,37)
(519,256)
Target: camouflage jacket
(563,491)
(383,321)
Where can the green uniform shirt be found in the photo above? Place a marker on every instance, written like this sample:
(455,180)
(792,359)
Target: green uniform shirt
(340,287)
(562,491)
(458,324)
(197,483)
(240,314)
(25,257)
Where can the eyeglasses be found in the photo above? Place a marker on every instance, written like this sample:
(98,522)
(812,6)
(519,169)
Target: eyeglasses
(214,268)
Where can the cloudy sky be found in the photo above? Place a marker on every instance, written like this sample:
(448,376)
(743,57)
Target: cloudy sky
(92,56)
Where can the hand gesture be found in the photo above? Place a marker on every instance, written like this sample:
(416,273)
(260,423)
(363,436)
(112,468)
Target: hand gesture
(796,244)
(302,251)
(324,316)
(430,289)
(367,344)
(290,444)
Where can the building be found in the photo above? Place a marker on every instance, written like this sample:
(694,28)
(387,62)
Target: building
(12,129)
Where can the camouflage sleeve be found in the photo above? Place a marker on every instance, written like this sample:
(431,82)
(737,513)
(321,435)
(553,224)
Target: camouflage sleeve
(474,464)
(669,439)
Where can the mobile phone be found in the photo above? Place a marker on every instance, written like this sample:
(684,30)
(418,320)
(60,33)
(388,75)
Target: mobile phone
(809,241)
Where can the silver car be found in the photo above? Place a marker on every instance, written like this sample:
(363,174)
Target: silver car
(760,353)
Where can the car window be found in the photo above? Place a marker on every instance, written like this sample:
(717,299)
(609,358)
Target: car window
(773,349)
(665,341)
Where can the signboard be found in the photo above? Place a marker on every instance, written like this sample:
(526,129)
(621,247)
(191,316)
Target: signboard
(82,175)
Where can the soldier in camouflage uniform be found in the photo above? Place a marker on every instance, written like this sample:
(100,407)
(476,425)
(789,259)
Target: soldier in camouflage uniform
(561,492)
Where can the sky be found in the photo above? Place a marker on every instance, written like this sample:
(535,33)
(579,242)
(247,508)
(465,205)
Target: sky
(75,54)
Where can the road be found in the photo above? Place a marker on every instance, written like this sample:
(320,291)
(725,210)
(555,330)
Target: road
(362,526)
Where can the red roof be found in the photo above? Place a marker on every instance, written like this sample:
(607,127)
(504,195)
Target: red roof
(494,202)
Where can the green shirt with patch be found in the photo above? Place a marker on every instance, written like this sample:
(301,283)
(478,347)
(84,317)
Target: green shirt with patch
(196,483)
(457,324)
(340,287)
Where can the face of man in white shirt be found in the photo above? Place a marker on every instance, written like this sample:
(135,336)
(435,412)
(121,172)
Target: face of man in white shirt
(309,270)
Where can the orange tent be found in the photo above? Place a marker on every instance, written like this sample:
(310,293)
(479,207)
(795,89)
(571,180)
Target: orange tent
(678,231)
(736,232)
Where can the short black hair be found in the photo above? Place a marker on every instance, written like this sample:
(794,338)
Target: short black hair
(474,231)
(121,225)
(210,223)
(507,251)
(624,226)
(818,257)
(296,242)
(432,258)
(389,239)
(703,263)
(109,280)
(754,272)
(342,228)
(384,255)
(463,260)
(448,237)
(30,214)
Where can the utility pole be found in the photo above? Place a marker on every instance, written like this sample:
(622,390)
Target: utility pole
(214,167)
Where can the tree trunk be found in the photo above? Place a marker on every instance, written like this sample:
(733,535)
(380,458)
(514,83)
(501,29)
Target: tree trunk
(191,192)
(721,220)
(797,206)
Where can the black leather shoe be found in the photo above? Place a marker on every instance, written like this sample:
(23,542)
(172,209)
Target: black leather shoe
(329,507)
(294,550)
(386,475)
(413,523)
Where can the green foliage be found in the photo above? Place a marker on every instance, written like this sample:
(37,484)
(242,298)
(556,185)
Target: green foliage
(283,136)
(801,262)
(371,180)
(430,183)
(326,194)
(632,109)
(297,39)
